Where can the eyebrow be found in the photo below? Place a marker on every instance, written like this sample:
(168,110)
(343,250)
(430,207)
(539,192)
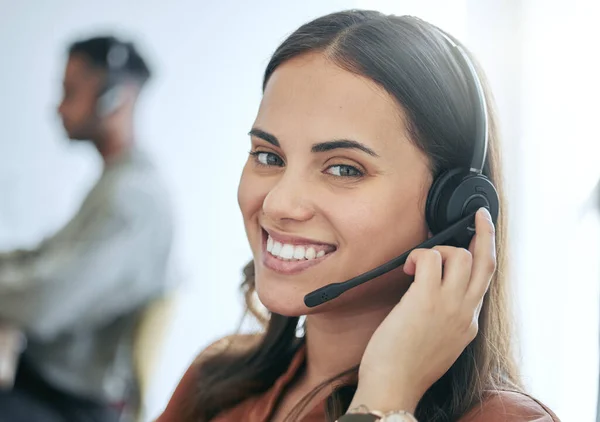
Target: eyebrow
(319,147)
(343,144)
(259,133)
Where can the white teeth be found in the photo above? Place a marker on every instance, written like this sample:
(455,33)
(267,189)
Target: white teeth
(287,252)
(299,252)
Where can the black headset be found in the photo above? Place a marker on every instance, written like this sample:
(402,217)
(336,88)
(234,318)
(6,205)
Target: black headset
(459,192)
(110,96)
(454,197)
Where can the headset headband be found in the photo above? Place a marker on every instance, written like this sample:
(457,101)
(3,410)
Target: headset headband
(477,98)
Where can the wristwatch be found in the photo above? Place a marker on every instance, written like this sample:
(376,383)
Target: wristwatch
(359,417)
(373,416)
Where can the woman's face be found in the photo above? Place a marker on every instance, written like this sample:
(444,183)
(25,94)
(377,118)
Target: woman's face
(333,187)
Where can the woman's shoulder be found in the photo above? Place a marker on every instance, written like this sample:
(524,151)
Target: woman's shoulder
(510,406)
(185,388)
(237,343)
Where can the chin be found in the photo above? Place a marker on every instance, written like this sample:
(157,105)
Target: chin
(74,136)
(281,300)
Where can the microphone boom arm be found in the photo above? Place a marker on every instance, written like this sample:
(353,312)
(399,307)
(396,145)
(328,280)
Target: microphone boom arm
(331,291)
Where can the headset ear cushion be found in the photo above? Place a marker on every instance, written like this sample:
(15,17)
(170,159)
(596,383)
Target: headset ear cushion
(435,211)
(109,101)
(456,194)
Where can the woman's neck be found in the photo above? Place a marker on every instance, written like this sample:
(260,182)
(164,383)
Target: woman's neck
(336,341)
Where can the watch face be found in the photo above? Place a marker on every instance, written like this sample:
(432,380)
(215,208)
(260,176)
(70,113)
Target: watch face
(395,418)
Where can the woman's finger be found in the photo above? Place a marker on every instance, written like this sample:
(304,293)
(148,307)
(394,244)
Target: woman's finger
(426,266)
(457,265)
(484,257)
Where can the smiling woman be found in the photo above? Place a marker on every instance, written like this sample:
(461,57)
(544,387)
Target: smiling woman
(360,113)
(337,168)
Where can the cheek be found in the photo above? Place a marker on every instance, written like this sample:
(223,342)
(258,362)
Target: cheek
(79,110)
(375,230)
(248,195)
(251,195)
(381,227)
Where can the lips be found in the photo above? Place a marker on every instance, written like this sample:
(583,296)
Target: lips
(289,255)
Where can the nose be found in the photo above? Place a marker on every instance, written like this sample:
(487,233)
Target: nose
(289,199)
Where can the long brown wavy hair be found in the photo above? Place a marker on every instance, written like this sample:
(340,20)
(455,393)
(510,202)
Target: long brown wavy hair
(412,62)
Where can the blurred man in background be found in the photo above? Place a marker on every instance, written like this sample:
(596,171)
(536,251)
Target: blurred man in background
(78,296)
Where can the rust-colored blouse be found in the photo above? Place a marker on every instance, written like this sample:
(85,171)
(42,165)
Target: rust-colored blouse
(500,407)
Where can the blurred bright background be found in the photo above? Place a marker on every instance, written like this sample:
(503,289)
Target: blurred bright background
(542,59)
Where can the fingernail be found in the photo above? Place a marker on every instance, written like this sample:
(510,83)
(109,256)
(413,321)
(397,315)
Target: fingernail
(485,213)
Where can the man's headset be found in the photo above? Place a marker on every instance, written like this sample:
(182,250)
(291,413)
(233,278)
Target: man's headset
(111,95)
(453,199)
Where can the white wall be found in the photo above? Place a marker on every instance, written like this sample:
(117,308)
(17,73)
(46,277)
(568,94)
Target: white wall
(208,60)
(559,275)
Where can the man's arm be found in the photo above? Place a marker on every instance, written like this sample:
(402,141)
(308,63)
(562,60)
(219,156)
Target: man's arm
(112,264)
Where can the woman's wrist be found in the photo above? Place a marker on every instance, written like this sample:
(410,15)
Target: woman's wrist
(384,399)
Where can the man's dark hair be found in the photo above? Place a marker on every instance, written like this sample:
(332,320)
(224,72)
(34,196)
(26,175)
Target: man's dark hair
(108,52)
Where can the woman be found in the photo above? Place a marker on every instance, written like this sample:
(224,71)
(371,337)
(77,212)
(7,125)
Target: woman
(360,113)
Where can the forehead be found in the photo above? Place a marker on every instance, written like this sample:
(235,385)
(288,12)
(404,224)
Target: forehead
(78,69)
(312,96)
